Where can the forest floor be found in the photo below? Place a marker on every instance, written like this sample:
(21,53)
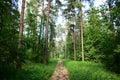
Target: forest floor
(60,72)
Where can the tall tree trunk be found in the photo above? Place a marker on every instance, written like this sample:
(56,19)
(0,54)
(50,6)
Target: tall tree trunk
(81,30)
(21,24)
(74,42)
(18,62)
(46,34)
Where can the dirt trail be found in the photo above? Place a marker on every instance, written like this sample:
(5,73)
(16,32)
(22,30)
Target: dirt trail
(60,72)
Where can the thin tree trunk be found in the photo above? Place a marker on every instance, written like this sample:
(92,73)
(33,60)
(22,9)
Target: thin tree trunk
(42,7)
(74,42)
(18,62)
(21,24)
(46,34)
(81,30)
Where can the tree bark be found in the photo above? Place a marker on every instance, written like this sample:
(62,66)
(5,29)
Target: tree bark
(21,24)
(81,31)
(46,34)
(74,42)
(18,61)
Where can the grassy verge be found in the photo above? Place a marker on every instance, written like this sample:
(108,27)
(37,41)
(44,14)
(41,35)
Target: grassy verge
(88,71)
(37,71)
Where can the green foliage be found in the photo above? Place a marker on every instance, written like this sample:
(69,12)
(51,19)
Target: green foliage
(69,48)
(99,43)
(112,59)
(33,39)
(88,71)
(8,72)
(35,30)
(94,33)
(117,50)
(37,71)
(9,25)
(29,71)
(61,56)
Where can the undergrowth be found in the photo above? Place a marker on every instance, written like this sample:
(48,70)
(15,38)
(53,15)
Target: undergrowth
(31,71)
(77,71)
(88,71)
(38,71)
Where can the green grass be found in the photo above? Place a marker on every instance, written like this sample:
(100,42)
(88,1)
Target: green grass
(88,71)
(37,71)
(77,71)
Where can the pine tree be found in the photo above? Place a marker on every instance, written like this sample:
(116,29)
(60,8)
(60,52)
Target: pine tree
(19,63)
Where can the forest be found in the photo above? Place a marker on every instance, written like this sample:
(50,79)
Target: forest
(59,40)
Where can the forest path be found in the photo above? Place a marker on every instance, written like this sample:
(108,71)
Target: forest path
(60,72)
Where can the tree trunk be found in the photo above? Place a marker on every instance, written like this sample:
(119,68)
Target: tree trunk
(74,42)
(42,7)
(46,34)
(18,61)
(81,30)
(21,24)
